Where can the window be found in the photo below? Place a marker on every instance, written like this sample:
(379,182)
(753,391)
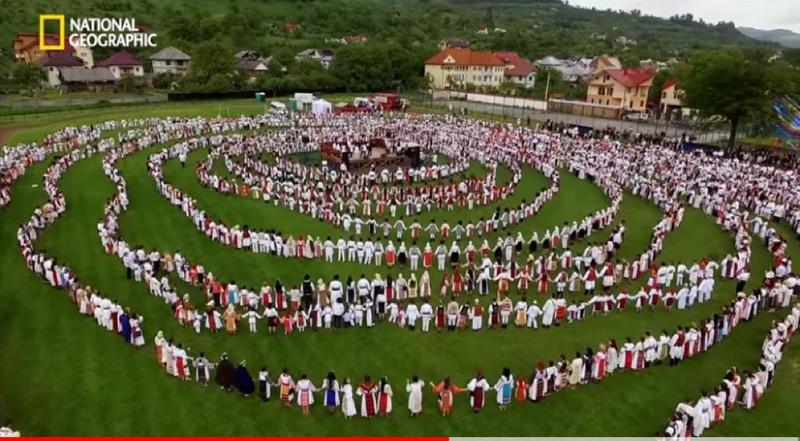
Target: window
(663,95)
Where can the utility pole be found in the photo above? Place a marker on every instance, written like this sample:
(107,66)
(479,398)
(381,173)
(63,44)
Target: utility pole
(547,86)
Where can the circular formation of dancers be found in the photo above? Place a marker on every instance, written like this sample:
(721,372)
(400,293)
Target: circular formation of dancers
(377,213)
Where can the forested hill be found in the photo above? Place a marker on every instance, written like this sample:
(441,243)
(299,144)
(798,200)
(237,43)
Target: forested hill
(533,28)
(784,37)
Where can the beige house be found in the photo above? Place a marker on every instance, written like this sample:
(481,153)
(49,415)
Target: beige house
(671,104)
(625,88)
(170,60)
(53,62)
(603,62)
(518,70)
(458,67)
(27,49)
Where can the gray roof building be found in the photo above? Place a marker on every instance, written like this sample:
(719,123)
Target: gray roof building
(172,54)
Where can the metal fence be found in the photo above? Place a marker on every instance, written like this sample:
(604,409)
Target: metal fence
(533,117)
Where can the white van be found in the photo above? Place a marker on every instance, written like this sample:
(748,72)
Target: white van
(277,107)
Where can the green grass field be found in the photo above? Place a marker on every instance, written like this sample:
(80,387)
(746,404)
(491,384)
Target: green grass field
(62,375)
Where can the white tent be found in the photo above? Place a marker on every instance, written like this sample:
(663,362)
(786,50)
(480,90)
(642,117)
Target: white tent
(321,107)
(305,98)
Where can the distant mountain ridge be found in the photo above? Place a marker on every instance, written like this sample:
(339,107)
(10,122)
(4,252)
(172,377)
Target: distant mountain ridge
(784,37)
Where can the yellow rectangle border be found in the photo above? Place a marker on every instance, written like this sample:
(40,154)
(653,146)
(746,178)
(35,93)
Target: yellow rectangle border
(61,40)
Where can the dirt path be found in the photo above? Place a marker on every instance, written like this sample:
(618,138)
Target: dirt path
(7,132)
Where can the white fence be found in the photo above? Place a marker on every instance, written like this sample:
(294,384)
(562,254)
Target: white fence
(498,100)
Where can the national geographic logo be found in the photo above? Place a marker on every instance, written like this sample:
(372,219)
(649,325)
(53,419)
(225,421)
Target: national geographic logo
(43,19)
(94,32)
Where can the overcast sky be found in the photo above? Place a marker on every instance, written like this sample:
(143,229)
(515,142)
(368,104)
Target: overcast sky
(762,14)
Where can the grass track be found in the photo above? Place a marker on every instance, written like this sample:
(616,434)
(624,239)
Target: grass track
(62,375)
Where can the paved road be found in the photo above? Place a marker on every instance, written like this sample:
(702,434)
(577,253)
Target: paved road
(594,122)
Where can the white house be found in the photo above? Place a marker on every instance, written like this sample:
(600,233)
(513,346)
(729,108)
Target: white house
(170,60)
(323,56)
(123,64)
(54,62)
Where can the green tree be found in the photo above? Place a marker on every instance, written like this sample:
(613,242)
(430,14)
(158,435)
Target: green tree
(377,66)
(218,83)
(792,56)
(276,69)
(209,59)
(557,84)
(28,76)
(662,76)
(488,19)
(128,84)
(736,85)
(284,57)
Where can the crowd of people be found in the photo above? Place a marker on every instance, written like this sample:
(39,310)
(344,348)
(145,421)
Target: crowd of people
(546,378)
(319,316)
(694,417)
(740,195)
(83,143)
(6,431)
(321,302)
(325,312)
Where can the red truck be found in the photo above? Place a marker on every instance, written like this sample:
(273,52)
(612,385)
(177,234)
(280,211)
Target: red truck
(389,101)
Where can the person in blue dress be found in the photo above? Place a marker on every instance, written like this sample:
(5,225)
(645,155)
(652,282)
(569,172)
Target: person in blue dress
(504,388)
(243,380)
(331,387)
(125,326)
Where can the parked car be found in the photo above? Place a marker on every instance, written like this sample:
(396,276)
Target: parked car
(636,116)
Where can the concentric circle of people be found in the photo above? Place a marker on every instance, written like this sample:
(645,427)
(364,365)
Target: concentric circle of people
(374,296)
(777,289)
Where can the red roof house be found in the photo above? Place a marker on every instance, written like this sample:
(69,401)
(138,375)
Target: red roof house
(123,64)
(59,59)
(626,89)
(26,46)
(464,66)
(669,83)
(464,57)
(630,76)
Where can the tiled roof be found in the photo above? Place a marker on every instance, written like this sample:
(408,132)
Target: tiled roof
(464,57)
(84,75)
(521,67)
(59,59)
(251,65)
(170,53)
(123,58)
(630,77)
(550,61)
(50,39)
(670,83)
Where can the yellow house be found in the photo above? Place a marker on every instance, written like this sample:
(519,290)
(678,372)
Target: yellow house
(460,66)
(623,88)
(603,62)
